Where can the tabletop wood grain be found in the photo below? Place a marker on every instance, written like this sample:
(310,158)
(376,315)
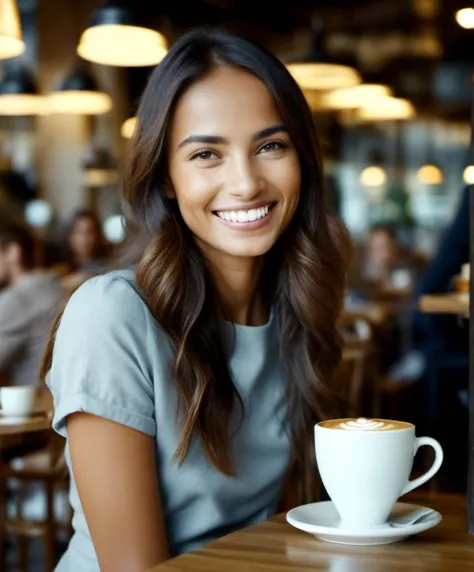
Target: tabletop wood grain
(29,425)
(275,546)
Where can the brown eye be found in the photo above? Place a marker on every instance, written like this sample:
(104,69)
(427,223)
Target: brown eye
(272,146)
(204,155)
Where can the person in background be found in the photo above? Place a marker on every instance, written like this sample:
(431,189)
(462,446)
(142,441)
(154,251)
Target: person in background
(188,383)
(29,302)
(86,249)
(444,342)
(451,254)
(86,246)
(388,266)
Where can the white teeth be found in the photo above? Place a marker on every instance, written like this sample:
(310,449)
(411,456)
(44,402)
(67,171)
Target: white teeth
(244,216)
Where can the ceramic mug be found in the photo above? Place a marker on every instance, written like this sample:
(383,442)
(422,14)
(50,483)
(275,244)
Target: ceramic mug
(365,466)
(18,400)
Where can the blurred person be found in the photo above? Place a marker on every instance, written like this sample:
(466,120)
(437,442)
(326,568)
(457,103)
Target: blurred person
(86,250)
(29,301)
(86,246)
(452,252)
(388,266)
(384,272)
(444,342)
(192,379)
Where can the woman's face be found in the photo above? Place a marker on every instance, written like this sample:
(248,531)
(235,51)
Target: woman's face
(233,168)
(83,238)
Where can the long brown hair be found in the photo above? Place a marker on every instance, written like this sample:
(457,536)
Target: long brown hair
(304,274)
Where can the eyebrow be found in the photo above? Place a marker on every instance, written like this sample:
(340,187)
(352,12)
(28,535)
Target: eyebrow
(217,140)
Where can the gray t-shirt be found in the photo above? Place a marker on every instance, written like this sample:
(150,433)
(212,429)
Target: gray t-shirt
(112,359)
(27,312)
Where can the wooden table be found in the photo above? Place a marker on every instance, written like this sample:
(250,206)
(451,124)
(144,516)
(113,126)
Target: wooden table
(275,546)
(445,304)
(30,425)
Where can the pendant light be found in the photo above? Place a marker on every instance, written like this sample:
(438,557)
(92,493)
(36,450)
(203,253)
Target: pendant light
(374,177)
(386,109)
(128,127)
(357,96)
(100,169)
(11,43)
(319,72)
(468,175)
(465,18)
(114,38)
(79,94)
(430,174)
(18,94)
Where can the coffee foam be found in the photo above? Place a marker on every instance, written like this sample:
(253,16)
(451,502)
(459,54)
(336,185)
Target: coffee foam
(363,424)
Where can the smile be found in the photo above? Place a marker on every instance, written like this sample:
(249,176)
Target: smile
(245,215)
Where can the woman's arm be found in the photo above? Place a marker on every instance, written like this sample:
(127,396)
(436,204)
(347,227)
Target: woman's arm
(115,471)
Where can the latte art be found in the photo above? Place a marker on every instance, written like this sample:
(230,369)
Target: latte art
(363,424)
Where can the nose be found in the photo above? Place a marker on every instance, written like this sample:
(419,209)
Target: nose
(244,179)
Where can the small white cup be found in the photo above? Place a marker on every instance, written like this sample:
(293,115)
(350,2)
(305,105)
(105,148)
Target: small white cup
(366,471)
(18,400)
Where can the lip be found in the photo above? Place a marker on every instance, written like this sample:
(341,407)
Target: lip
(248,226)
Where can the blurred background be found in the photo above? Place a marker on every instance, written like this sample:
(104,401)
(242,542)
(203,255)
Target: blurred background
(390,87)
(403,163)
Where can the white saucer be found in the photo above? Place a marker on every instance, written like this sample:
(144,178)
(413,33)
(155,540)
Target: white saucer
(322,520)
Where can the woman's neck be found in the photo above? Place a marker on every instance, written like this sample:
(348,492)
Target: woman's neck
(238,283)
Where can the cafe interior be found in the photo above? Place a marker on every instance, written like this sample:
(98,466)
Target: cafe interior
(389,85)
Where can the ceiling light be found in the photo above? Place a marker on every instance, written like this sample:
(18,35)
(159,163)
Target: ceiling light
(19,96)
(468,175)
(11,42)
(465,18)
(386,109)
(430,175)
(319,72)
(128,127)
(373,176)
(357,96)
(114,38)
(78,94)
(323,76)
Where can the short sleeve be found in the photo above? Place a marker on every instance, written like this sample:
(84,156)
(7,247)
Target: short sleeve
(101,360)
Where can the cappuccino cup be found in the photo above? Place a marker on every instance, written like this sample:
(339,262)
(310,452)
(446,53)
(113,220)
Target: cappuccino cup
(365,465)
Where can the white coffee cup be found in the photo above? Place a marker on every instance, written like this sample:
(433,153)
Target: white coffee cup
(365,466)
(18,400)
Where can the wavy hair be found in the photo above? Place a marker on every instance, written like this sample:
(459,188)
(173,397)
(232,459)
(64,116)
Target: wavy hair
(304,271)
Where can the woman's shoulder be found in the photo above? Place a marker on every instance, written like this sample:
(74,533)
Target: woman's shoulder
(114,295)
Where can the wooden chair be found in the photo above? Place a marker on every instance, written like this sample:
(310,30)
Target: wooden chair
(46,468)
(355,377)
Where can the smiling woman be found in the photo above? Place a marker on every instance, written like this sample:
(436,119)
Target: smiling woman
(188,384)
(233,168)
